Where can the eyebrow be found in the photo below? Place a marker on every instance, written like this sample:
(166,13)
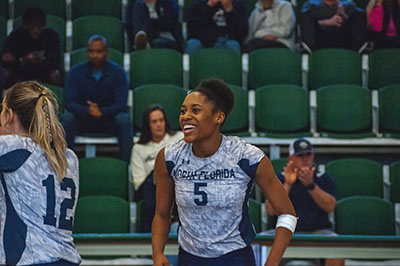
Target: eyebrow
(193,105)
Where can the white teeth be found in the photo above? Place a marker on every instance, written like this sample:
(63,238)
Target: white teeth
(185,127)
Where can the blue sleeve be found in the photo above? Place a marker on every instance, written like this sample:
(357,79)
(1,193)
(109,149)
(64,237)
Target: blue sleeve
(328,185)
(71,94)
(120,95)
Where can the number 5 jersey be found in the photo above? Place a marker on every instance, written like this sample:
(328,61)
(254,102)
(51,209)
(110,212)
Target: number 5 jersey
(36,210)
(211,194)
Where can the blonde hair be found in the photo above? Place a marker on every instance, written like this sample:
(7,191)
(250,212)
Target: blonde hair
(36,108)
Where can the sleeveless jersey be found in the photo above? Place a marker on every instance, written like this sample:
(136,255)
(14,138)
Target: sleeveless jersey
(36,210)
(212,195)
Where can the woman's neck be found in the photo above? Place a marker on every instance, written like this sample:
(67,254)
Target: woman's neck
(207,147)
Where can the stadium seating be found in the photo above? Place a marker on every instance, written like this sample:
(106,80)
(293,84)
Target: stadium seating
(334,66)
(103,176)
(279,164)
(56,7)
(364,215)
(282,111)
(101,215)
(237,123)
(383,68)
(214,62)
(154,66)
(255,214)
(109,27)
(59,93)
(81,55)
(170,97)
(344,111)
(274,66)
(112,8)
(395,182)
(389,111)
(356,177)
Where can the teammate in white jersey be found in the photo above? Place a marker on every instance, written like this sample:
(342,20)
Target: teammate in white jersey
(211,176)
(39,181)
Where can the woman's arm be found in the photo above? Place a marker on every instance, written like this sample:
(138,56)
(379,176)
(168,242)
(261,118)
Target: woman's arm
(162,218)
(279,199)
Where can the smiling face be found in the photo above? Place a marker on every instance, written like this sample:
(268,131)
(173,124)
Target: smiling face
(198,121)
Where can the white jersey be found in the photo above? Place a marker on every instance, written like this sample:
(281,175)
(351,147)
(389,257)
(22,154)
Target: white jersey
(36,210)
(212,195)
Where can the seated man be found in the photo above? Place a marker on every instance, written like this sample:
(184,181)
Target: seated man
(154,23)
(312,194)
(32,51)
(332,24)
(215,23)
(271,24)
(96,94)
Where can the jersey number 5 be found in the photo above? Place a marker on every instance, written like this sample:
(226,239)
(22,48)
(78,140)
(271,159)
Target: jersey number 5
(203,199)
(66,204)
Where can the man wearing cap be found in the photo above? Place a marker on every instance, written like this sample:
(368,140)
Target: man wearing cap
(312,193)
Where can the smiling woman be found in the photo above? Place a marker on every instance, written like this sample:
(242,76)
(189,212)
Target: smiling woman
(212,200)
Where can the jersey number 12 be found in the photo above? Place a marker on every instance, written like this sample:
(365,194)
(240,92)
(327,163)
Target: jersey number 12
(66,204)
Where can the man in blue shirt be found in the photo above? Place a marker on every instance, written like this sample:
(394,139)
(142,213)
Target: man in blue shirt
(313,194)
(96,94)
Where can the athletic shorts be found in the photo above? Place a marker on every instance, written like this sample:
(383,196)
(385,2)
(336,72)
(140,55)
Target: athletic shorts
(240,257)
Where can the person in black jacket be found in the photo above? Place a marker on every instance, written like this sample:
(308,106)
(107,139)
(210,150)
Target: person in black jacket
(154,23)
(216,23)
(32,51)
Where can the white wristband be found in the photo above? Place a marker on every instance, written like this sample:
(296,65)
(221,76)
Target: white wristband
(288,221)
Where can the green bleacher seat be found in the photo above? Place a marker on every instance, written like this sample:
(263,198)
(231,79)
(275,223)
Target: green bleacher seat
(80,8)
(103,176)
(170,97)
(364,215)
(237,122)
(383,68)
(334,66)
(101,215)
(109,27)
(356,177)
(214,62)
(389,111)
(344,111)
(282,111)
(156,66)
(274,66)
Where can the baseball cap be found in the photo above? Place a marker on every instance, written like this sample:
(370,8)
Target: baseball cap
(299,146)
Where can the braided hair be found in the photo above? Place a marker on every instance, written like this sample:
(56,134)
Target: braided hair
(36,108)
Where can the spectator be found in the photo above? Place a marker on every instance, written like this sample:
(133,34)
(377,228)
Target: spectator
(332,24)
(32,51)
(216,23)
(312,194)
(96,94)
(384,23)
(271,24)
(156,134)
(154,23)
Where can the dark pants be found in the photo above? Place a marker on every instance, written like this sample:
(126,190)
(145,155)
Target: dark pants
(351,35)
(119,126)
(147,193)
(142,22)
(241,257)
(258,43)
(381,41)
